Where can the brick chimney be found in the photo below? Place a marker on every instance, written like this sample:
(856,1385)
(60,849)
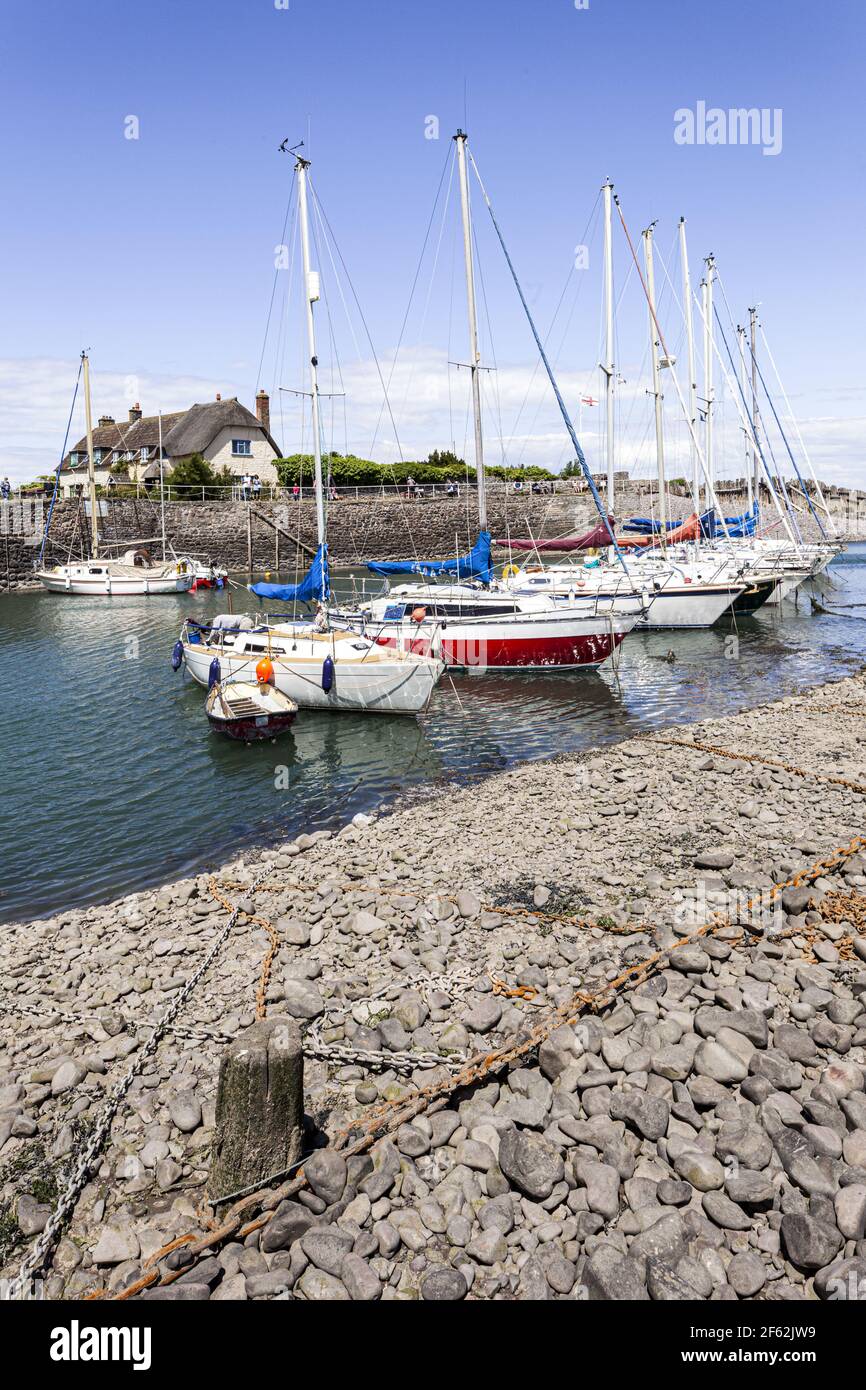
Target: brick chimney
(104,420)
(218,396)
(134,413)
(263,410)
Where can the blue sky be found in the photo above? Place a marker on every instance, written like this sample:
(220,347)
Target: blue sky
(157,253)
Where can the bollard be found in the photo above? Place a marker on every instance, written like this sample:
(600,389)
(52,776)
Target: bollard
(260,1107)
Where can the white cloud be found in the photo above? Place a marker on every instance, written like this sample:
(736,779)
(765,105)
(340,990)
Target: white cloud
(430,402)
(36,397)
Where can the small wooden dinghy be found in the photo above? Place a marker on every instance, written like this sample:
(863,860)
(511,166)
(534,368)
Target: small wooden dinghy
(247,710)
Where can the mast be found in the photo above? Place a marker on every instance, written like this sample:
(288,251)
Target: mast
(608,365)
(753,326)
(311,294)
(739,397)
(474,356)
(91,476)
(750,448)
(707,305)
(161,489)
(690,339)
(657,381)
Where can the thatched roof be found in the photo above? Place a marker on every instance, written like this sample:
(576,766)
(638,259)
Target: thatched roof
(184,432)
(143,433)
(202,423)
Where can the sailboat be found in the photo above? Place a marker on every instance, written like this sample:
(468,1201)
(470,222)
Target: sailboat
(676,592)
(477,623)
(786,563)
(135,572)
(317,664)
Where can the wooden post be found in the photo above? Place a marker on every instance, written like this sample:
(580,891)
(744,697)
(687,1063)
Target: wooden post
(260,1106)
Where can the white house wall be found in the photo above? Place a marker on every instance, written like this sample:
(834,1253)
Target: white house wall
(260,460)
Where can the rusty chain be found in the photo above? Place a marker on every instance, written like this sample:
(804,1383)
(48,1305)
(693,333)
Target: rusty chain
(389,1116)
(720,752)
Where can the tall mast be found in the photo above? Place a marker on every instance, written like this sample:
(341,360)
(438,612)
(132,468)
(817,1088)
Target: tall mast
(91,476)
(707,298)
(657,381)
(753,326)
(161,488)
(311,294)
(690,339)
(608,365)
(474,356)
(750,448)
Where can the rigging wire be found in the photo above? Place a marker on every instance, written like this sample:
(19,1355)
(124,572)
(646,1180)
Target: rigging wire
(60,464)
(290,204)
(367,333)
(448,162)
(772,406)
(587,238)
(330,239)
(796,425)
(560,402)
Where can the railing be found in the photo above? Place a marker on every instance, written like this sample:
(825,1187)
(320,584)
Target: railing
(420,492)
(273,492)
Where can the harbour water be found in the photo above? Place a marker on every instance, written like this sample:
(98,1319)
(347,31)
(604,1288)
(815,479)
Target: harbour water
(112,781)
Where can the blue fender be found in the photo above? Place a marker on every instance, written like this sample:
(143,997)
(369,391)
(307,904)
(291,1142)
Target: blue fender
(214,673)
(177,655)
(327,674)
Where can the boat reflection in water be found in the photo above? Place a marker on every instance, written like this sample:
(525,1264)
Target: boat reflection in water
(184,801)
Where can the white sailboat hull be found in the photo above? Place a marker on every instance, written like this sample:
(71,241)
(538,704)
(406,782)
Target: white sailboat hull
(81,580)
(674,606)
(383,683)
(689,607)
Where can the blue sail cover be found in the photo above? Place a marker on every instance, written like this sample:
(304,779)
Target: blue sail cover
(745,525)
(708,524)
(316,583)
(738,527)
(478,564)
(647,527)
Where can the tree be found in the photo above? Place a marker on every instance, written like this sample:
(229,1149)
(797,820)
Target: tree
(572,470)
(190,475)
(447,459)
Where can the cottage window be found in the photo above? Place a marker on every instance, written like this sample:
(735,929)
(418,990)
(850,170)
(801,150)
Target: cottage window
(242,446)
(142,453)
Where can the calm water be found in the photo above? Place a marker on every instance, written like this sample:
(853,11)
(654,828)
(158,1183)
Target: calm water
(111,779)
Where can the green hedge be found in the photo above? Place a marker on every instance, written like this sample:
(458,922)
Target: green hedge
(349,471)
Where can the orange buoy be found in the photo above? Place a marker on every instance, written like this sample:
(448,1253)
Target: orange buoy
(265,671)
(418,615)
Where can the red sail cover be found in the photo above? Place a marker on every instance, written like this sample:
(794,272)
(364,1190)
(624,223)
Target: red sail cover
(689,531)
(599,535)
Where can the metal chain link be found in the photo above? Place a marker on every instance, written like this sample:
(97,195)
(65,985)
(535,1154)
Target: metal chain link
(776,763)
(38,1256)
(456,984)
(50,1015)
(386,1118)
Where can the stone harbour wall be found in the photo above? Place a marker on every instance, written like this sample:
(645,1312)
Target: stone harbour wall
(242,537)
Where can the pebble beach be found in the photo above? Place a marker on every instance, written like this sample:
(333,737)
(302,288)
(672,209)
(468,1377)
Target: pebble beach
(690,1126)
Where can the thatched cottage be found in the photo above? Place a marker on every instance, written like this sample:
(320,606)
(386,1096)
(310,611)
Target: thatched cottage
(224,432)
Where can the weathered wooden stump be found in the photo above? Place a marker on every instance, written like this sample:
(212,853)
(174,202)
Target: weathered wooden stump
(260,1106)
